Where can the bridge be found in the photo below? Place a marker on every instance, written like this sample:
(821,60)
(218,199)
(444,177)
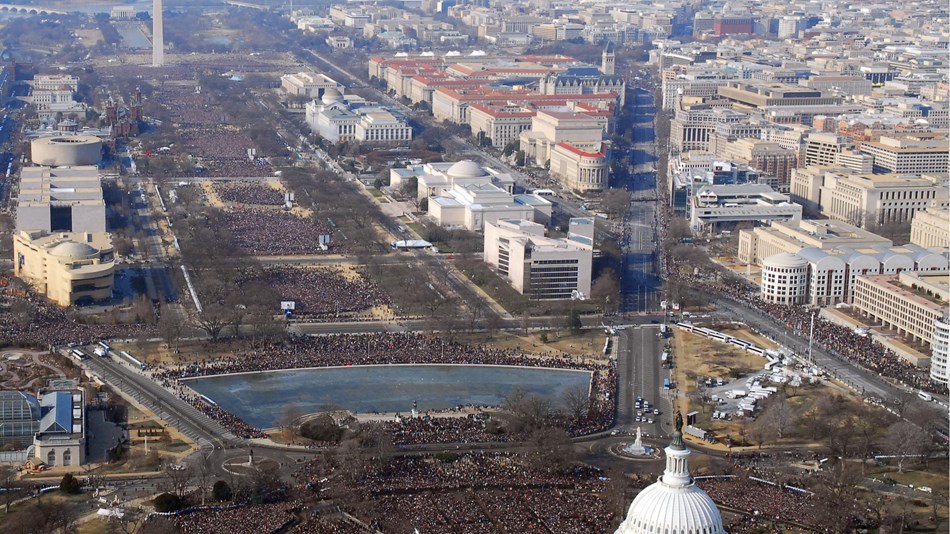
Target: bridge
(30,10)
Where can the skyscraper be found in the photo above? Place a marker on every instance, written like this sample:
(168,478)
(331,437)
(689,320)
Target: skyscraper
(158,37)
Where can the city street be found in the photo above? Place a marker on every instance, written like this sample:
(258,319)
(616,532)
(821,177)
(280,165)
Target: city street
(639,372)
(641,286)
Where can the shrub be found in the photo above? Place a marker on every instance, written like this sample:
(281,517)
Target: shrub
(167,502)
(221,491)
(70,484)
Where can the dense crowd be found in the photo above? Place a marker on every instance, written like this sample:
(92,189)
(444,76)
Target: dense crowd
(399,348)
(758,498)
(257,519)
(235,424)
(46,324)
(328,525)
(219,149)
(268,232)
(248,193)
(469,429)
(322,292)
(475,493)
(534,510)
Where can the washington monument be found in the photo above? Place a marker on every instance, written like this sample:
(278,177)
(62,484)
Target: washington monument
(158,37)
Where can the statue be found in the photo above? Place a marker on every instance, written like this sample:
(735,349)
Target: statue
(678,422)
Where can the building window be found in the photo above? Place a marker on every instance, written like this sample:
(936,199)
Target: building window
(67,457)
(51,458)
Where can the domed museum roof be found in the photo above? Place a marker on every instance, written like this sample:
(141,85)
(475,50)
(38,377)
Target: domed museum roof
(73,250)
(465,169)
(674,503)
(331,95)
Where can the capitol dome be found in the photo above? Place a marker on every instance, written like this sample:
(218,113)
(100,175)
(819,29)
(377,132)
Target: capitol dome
(465,169)
(673,504)
(73,250)
(331,95)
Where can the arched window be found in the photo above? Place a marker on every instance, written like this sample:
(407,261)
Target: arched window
(51,458)
(67,457)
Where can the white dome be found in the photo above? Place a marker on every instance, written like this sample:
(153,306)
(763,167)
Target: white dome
(784,260)
(465,169)
(73,250)
(331,95)
(673,504)
(664,508)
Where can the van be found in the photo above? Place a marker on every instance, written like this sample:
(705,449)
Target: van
(925,396)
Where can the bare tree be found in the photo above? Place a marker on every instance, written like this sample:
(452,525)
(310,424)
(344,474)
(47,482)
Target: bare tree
(172,325)
(779,414)
(177,476)
(551,450)
(205,474)
(11,484)
(290,421)
(904,440)
(575,402)
(615,202)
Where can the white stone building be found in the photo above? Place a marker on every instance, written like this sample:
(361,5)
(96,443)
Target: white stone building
(581,170)
(540,267)
(336,119)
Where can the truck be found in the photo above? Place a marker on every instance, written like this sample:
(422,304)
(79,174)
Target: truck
(735,393)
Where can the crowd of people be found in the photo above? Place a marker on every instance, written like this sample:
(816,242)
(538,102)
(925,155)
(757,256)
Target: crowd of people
(31,320)
(256,519)
(269,232)
(473,493)
(473,428)
(209,142)
(245,192)
(228,420)
(762,499)
(531,510)
(397,348)
(323,292)
(328,525)
(217,150)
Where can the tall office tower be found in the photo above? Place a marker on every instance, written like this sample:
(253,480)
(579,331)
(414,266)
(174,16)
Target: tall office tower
(158,37)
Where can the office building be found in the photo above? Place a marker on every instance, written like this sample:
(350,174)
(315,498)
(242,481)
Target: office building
(792,236)
(930,228)
(909,304)
(721,207)
(832,273)
(879,198)
(912,153)
(784,279)
(540,267)
(941,351)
